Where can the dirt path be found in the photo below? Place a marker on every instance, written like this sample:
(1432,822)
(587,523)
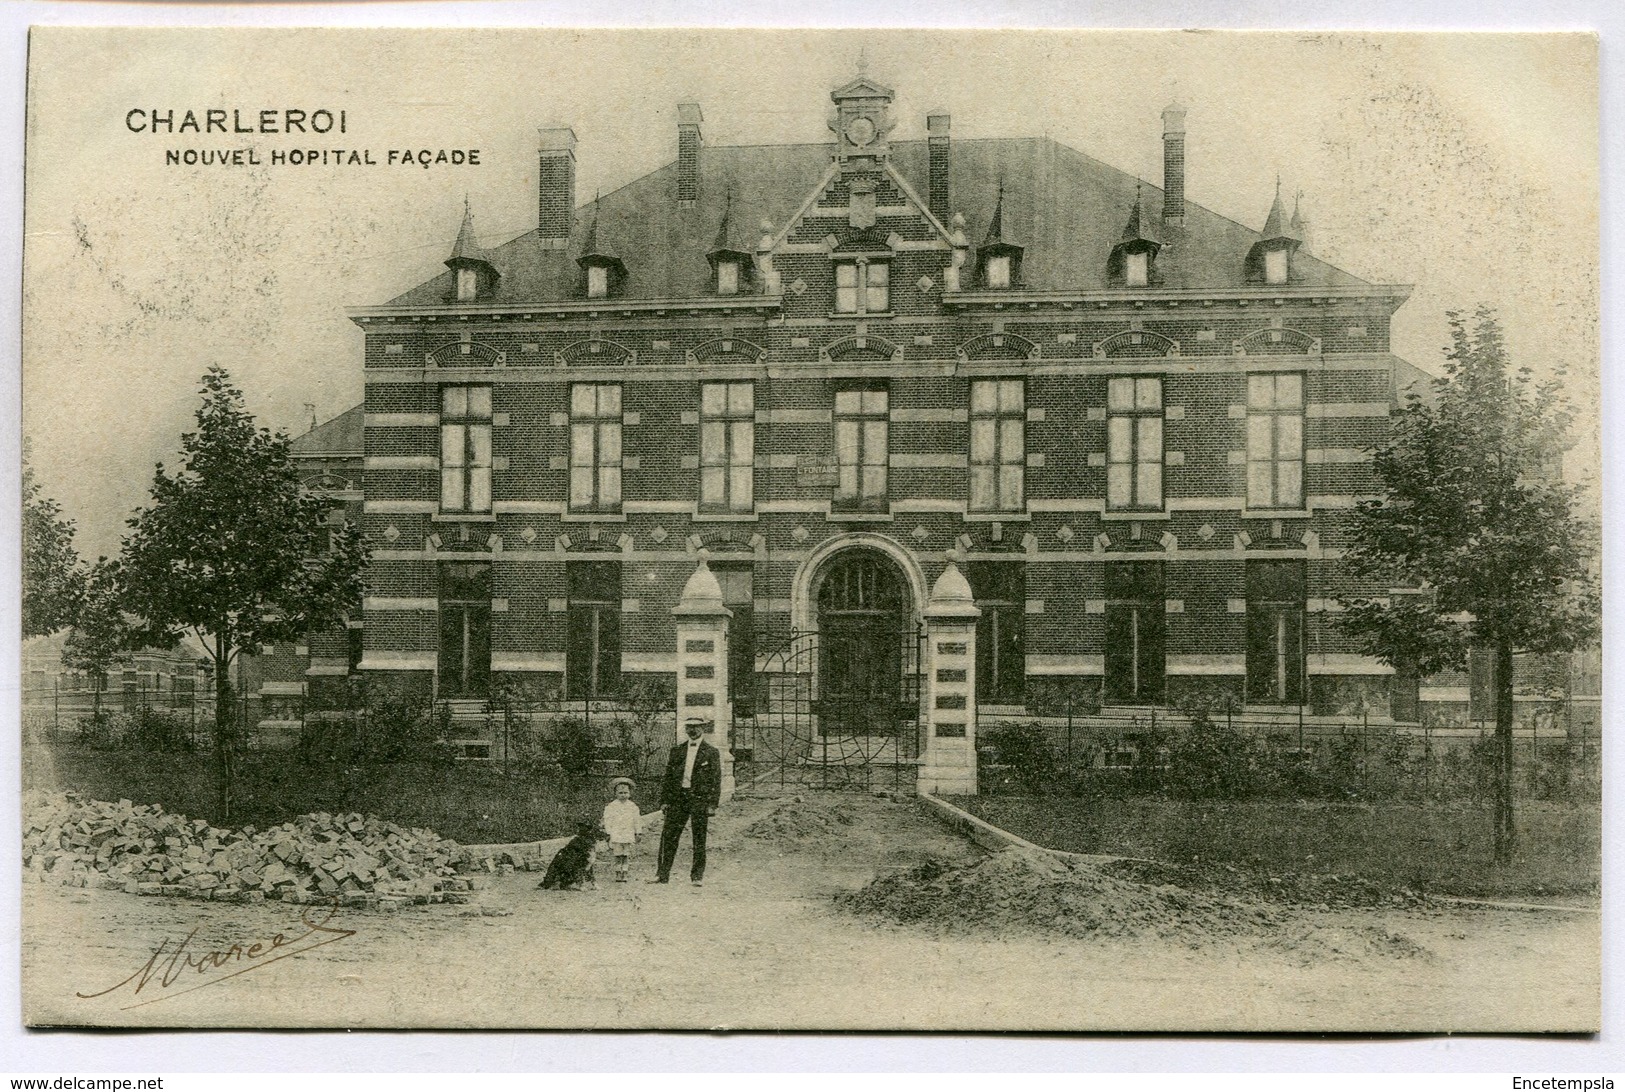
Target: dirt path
(762,945)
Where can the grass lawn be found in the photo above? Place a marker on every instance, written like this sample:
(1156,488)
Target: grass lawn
(471,802)
(1438,848)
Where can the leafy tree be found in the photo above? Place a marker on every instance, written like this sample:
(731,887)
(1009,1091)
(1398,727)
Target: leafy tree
(53,575)
(231,548)
(100,636)
(1475,516)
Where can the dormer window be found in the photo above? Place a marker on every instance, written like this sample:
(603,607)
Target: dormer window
(1137,270)
(728,278)
(473,275)
(601,270)
(998,271)
(597,282)
(1275,266)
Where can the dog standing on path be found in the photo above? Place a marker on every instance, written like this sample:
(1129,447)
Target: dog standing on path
(572,865)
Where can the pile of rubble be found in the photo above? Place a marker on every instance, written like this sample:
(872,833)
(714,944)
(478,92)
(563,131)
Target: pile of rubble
(1331,892)
(1022,890)
(801,819)
(144,850)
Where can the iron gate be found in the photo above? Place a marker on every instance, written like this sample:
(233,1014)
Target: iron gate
(835,710)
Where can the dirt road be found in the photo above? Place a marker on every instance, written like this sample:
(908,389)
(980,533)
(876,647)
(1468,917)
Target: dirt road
(762,945)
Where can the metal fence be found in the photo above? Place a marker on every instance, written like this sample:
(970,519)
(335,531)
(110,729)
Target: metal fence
(1286,754)
(58,713)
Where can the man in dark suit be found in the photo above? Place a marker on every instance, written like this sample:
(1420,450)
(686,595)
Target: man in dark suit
(689,795)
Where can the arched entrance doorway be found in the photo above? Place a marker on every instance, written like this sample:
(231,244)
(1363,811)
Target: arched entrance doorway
(866,645)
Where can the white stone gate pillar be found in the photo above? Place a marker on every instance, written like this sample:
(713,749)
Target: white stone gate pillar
(948,764)
(702,665)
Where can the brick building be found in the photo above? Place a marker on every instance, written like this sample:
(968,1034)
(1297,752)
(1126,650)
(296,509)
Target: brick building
(1140,426)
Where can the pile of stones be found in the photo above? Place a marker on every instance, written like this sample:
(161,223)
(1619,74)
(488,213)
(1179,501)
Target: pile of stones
(356,860)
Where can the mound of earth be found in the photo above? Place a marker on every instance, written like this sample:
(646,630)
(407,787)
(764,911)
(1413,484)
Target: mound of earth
(800,819)
(1297,888)
(1023,890)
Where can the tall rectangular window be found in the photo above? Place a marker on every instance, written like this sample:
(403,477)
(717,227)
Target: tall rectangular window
(465,629)
(595,447)
(1137,269)
(739,596)
(727,446)
(1275,440)
(862,287)
(597,282)
(862,421)
(465,449)
(1134,442)
(1136,632)
(998,445)
(592,654)
(1000,588)
(1275,622)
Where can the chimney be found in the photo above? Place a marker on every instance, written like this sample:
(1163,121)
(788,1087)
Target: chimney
(1173,164)
(937,195)
(688,153)
(556,187)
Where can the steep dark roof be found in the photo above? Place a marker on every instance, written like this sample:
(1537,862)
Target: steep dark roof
(1066,208)
(339,436)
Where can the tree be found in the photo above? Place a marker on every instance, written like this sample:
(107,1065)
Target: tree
(53,575)
(100,635)
(232,549)
(1474,517)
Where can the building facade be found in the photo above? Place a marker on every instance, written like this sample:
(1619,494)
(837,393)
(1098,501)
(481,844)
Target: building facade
(1139,427)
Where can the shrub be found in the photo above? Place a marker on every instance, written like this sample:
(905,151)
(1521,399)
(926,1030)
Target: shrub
(575,747)
(1025,748)
(1209,760)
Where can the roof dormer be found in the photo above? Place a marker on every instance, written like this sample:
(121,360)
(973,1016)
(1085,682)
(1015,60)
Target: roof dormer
(730,261)
(473,275)
(1132,263)
(602,271)
(1270,259)
(998,260)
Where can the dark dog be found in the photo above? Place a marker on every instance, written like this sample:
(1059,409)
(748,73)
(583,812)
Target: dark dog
(572,865)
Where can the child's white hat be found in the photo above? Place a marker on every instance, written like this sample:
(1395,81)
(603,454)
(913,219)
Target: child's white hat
(619,781)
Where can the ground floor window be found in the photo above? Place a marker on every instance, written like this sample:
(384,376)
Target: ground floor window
(1136,633)
(739,596)
(592,655)
(1000,588)
(1275,623)
(465,629)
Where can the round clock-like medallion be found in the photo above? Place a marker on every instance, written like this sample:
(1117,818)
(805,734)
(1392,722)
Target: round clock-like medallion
(861,131)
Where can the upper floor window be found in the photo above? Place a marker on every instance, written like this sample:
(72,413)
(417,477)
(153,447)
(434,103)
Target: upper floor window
(468,283)
(597,282)
(465,449)
(862,421)
(1275,440)
(1134,442)
(1275,266)
(728,277)
(998,271)
(862,287)
(727,446)
(1137,269)
(998,445)
(595,447)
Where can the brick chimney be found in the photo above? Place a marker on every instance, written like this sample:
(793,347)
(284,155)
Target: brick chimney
(1173,164)
(937,193)
(688,153)
(556,187)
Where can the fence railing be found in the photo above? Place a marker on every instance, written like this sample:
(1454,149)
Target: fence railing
(1280,754)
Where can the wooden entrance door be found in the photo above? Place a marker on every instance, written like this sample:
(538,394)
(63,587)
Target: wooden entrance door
(862,625)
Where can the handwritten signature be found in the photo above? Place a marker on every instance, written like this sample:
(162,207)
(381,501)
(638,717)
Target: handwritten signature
(180,964)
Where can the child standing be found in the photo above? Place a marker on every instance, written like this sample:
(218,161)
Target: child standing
(621,822)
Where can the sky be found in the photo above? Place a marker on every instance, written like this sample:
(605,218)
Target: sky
(1466,166)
